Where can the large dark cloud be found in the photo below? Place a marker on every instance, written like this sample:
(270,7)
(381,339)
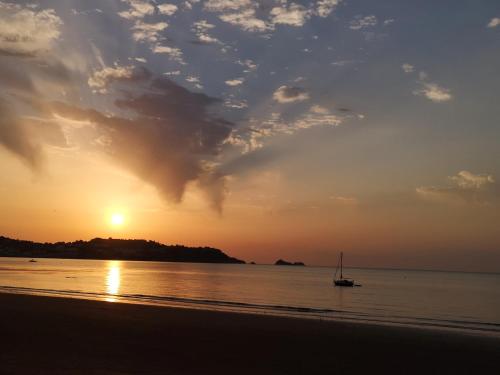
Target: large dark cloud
(23,128)
(171,141)
(15,137)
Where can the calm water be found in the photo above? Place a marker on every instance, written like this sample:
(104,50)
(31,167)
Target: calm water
(464,301)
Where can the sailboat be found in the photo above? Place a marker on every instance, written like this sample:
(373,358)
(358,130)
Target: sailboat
(341,281)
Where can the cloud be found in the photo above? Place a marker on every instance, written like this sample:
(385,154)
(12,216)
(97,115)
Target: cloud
(465,187)
(434,92)
(253,137)
(235,82)
(15,138)
(249,64)
(246,20)
(225,5)
(408,68)
(195,81)
(167,9)
(288,94)
(317,118)
(239,13)
(494,22)
(148,32)
(174,53)
(203,25)
(169,143)
(15,79)
(257,16)
(319,110)
(151,33)
(325,7)
(77,12)
(201,29)
(293,15)
(100,79)
(27,32)
(470,181)
(430,90)
(137,9)
(360,22)
(236,104)
(344,62)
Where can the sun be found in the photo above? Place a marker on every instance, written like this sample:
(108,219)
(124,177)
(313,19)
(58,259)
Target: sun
(117,219)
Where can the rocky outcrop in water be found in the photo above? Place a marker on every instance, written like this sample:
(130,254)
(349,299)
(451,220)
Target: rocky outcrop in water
(281,262)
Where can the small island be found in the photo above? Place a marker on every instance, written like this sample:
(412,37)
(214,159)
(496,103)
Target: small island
(281,262)
(113,249)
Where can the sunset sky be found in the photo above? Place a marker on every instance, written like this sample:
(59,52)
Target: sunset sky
(269,129)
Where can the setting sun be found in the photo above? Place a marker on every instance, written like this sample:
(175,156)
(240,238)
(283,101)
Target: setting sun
(117,219)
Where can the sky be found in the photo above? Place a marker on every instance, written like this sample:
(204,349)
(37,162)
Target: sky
(269,129)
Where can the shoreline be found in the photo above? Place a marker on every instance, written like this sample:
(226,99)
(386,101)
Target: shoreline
(263,310)
(61,335)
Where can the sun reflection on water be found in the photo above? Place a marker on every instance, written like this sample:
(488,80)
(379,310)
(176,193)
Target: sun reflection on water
(113,279)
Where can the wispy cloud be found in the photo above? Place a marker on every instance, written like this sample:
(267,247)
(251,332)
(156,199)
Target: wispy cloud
(29,74)
(201,29)
(290,94)
(325,7)
(148,32)
(234,82)
(494,22)
(252,16)
(167,9)
(27,32)
(137,9)
(434,92)
(100,79)
(174,53)
(246,20)
(292,14)
(257,132)
(250,65)
(465,186)
(430,90)
(408,68)
(360,22)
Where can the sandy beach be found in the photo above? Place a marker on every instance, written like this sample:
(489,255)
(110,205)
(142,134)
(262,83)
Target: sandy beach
(46,335)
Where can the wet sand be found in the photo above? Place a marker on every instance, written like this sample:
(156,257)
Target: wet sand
(46,335)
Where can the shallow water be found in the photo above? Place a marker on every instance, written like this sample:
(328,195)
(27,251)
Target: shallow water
(465,301)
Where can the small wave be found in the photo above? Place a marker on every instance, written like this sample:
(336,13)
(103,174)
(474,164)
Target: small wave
(268,309)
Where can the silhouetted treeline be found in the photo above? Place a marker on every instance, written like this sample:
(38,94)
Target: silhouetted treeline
(118,249)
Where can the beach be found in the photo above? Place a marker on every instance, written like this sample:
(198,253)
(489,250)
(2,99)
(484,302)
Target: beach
(49,335)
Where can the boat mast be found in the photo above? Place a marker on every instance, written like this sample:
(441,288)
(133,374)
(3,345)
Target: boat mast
(341,255)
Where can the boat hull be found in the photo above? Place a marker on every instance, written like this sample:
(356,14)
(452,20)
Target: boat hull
(343,282)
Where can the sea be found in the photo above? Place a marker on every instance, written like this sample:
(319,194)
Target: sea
(468,302)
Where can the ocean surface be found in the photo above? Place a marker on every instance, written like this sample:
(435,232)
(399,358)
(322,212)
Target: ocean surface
(445,300)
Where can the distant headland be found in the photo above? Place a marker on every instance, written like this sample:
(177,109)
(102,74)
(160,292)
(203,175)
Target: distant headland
(113,249)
